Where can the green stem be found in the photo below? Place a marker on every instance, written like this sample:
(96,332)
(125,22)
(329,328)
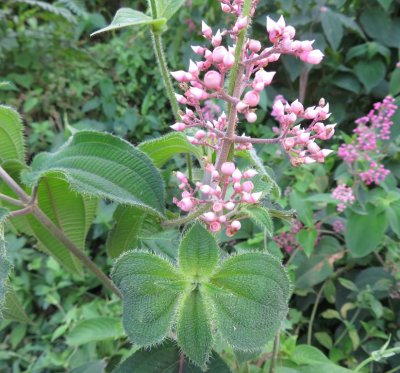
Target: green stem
(185,219)
(372,359)
(274,353)
(189,166)
(343,334)
(313,313)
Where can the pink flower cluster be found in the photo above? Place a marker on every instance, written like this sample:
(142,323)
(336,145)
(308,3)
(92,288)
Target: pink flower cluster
(364,151)
(227,191)
(299,143)
(344,195)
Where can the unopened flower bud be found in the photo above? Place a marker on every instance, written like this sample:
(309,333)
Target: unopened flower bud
(209,216)
(250,173)
(236,225)
(206,30)
(179,126)
(254,45)
(212,79)
(251,117)
(218,54)
(237,175)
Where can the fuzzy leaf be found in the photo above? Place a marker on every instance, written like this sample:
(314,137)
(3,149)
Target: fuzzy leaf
(251,300)
(13,309)
(151,287)
(198,252)
(261,217)
(69,211)
(96,329)
(162,149)
(193,328)
(126,17)
(165,359)
(11,135)
(105,166)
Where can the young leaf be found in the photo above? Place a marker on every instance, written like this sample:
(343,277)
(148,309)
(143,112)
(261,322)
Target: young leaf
(11,135)
(162,149)
(193,328)
(96,329)
(126,17)
(151,287)
(101,165)
(261,217)
(252,299)
(198,252)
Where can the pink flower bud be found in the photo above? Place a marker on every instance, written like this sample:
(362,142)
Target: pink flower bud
(229,60)
(314,57)
(200,134)
(228,168)
(271,24)
(310,113)
(254,45)
(192,140)
(212,80)
(241,107)
(289,143)
(251,117)
(236,225)
(222,219)
(193,68)
(309,160)
(206,189)
(206,30)
(290,31)
(181,177)
(250,173)
(241,23)
(181,76)
(229,206)
(215,174)
(278,108)
(326,152)
(217,207)
(186,204)
(225,8)
(198,50)
(248,186)
(181,99)
(215,227)
(252,98)
(237,187)
(297,107)
(209,216)
(218,54)
(217,39)
(255,197)
(178,126)
(303,137)
(313,147)
(258,86)
(198,93)
(237,175)
(319,127)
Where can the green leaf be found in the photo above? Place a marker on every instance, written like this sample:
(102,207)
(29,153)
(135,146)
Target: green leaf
(303,208)
(5,264)
(324,339)
(151,287)
(193,328)
(97,366)
(394,86)
(164,148)
(13,309)
(307,238)
(250,294)
(261,217)
(333,29)
(167,8)
(11,135)
(370,73)
(95,330)
(102,165)
(365,232)
(166,359)
(347,82)
(385,4)
(376,23)
(69,211)
(304,354)
(198,252)
(126,17)
(124,235)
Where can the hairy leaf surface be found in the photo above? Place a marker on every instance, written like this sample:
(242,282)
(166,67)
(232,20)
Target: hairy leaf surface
(102,165)
(261,217)
(11,135)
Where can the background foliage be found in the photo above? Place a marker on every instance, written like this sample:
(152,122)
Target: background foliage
(345,304)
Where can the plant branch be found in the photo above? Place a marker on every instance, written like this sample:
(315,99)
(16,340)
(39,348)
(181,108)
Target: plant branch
(11,200)
(314,312)
(274,353)
(14,186)
(186,219)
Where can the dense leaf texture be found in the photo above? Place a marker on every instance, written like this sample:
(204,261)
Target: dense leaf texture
(13,309)
(103,165)
(262,218)
(126,17)
(246,298)
(69,211)
(198,252)
(252,301)
(151,287)
(162,149)
(11,135)
(193,328)
(165,359)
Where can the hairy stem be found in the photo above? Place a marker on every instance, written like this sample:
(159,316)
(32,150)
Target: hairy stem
(14,186)
(185,219)
(11,200)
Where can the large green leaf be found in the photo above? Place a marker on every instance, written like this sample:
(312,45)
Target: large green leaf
(11,135)
(5,265)
(167,8)
(69,211)
(102,165)
(96,329)
(198,252)
(193,330)
(365,232)
(261,217)
(370,73)
(332,26)
(126,17)
(151,287)
(250,294)
(162,149)
(166,359)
